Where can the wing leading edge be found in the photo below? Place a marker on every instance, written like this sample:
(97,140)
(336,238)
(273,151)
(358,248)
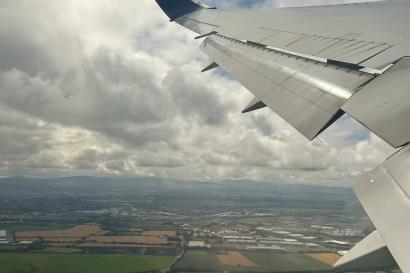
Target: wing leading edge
(300,63)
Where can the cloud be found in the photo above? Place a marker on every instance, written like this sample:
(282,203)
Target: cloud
(97,87)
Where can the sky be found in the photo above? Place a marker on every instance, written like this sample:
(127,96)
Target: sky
(104,87)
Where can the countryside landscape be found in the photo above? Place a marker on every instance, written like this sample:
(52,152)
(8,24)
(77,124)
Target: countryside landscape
(129,225)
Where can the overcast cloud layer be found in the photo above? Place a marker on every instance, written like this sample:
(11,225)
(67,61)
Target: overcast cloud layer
(112,88)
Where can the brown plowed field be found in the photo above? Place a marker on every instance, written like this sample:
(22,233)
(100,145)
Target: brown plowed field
(235,259)
(52,240)
(62,240)
(75,232)
(61,244)
(327,258)
(118,245)
(143,240)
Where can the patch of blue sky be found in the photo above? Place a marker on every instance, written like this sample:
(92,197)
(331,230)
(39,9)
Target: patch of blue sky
(345,131)
(358,131)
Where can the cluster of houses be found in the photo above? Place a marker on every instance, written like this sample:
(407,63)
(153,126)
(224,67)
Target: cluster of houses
(4,237)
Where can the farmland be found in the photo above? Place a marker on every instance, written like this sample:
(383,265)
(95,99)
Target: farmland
(92,238)
(249,262)
(235,259)
(199,261)
(328,258)
(168,233)
(144,240)
(79,231)
(75,263)
(279,262)
(123,227)
(52,240)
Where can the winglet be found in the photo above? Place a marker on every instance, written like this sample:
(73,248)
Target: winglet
(177,8)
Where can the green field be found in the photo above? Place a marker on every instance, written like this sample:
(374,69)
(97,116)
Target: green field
(35,227)
(275,262)
(199,261)
(203,261)
(79,263)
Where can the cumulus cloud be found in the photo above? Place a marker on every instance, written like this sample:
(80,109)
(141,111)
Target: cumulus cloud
(98,87)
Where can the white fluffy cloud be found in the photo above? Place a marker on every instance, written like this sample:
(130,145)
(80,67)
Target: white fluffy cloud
(101,87)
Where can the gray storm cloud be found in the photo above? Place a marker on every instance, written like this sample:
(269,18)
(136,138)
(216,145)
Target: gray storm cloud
(98,87)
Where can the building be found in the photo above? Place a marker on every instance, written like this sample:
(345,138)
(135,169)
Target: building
(26,243)
(3,234)
(4,240)
(338,244)
(264,247)
(198,244)
(229,237)
(342,252)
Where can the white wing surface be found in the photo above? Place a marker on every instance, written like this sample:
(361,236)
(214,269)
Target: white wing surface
(312,64)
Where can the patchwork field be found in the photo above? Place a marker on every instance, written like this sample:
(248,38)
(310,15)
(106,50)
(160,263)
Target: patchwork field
(143,240)
(61,244)
(249,262)
(98,245)
(168,233)
(327,258)
(61,250)
(282,262)
(36,226)
(61,240)
(121,245)
(75,263)
(195,261)
(79,231)
(235,259)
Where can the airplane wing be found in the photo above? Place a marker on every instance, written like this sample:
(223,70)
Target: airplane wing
(311,65)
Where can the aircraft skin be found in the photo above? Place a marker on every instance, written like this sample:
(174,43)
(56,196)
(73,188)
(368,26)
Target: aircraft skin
(311,65)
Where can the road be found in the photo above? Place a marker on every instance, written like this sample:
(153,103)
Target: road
(177,258)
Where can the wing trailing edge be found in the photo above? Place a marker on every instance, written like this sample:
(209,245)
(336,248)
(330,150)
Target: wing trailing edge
(384,194)
(383,105)
(305,92)
(307,69)
(370,253)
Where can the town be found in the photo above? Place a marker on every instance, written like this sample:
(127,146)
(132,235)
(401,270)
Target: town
(190,227)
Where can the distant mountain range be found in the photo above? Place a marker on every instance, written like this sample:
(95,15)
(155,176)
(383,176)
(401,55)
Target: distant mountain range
(24,191)
(83,185)
(129,183)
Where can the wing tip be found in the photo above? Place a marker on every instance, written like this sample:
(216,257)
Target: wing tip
(177,8)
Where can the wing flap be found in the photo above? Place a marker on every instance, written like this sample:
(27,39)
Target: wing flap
(384,194)
(370,253)
(387,101)
(306,93)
